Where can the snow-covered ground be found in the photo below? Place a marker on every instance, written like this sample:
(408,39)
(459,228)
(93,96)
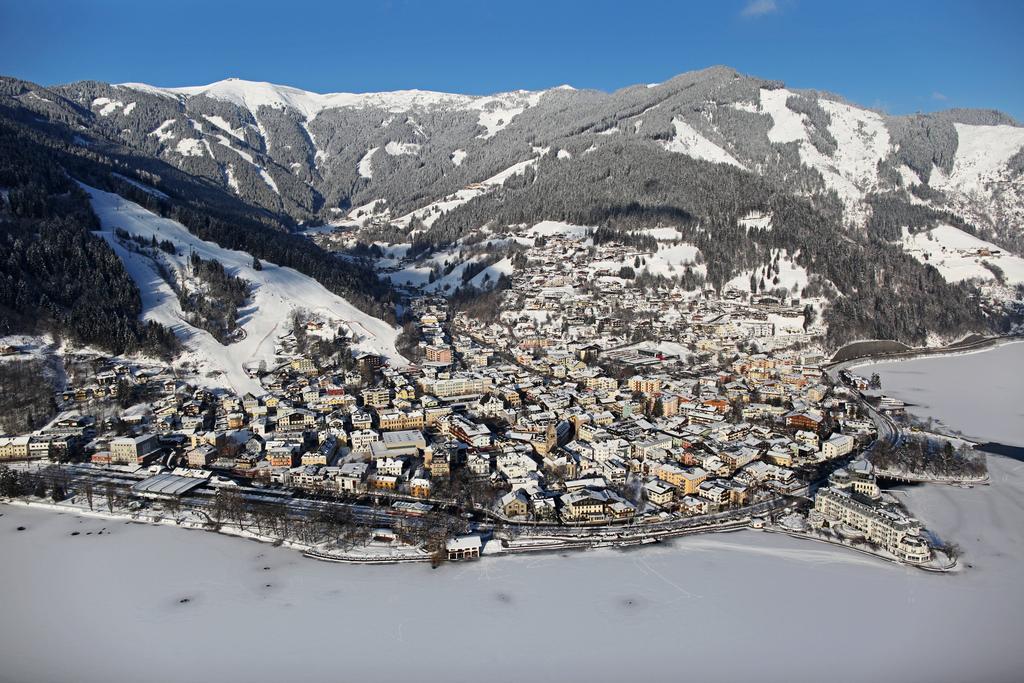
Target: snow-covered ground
(431,212)
(959,255)
(276,292)
(980,394)
(691,143)
(790,275)
(861,136)
(744,606)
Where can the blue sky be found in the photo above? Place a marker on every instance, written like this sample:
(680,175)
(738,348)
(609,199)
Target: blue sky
(902,56)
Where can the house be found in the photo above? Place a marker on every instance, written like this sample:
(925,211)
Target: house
(513,504)
(463,547)
(658,492)
(419,487)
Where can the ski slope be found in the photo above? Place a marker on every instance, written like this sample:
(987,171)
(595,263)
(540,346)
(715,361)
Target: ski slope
(276,292)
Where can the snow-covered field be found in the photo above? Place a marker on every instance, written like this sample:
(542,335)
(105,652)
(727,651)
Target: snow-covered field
(276,292)
(745,606)
(980,395)
(958,255)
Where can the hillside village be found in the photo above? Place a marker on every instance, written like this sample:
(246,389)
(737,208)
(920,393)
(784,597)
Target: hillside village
(555,416)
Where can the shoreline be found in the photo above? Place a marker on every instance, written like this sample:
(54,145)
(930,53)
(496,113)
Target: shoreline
(979,346)
(419,556)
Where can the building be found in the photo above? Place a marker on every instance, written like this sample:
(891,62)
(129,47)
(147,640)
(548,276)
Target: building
(201,456)
(658,492)
(14,447)
(133,450)
(895,533)
(463,548)
(837,446)
(513,504)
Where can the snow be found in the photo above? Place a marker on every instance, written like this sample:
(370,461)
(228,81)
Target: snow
(862,140)
(277,291)
(161,132)
(663,234)
(431,212)
(226,127)
(495,120)
(982,151)
(790,275)
(548,228)
(252,95)
(498,111)
(564,154)
(955,254)
(128,108)
(365,166)
(268,179)
(398,148)
(787,125)
(145,188)
(609,131)
(977,394)
(190,147)
(221,140)
(107,106)
(691,143)
(754,219)
(458,156)
(232,180)
(908,176)
(751,107)
(489,275)
(761,602)
(671,261)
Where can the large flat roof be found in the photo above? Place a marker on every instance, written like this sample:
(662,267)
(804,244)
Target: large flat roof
(167,484)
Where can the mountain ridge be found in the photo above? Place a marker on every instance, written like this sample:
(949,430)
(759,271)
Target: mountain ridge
(700,152)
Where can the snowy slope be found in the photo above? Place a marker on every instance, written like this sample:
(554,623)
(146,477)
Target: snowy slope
(277,291)
(959,256)
(365,166)
(980,185)
(688,141)
(862,140)
(431,212)
(790,275)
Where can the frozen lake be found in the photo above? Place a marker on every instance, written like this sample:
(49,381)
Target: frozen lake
(742,606)
(980,395)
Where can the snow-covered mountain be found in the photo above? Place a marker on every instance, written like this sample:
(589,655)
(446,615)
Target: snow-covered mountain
(316,156)
(856,195)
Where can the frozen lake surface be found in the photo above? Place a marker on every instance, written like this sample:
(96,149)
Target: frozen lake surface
(980,395)
(743,606)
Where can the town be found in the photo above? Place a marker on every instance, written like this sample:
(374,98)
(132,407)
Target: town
(557,420)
